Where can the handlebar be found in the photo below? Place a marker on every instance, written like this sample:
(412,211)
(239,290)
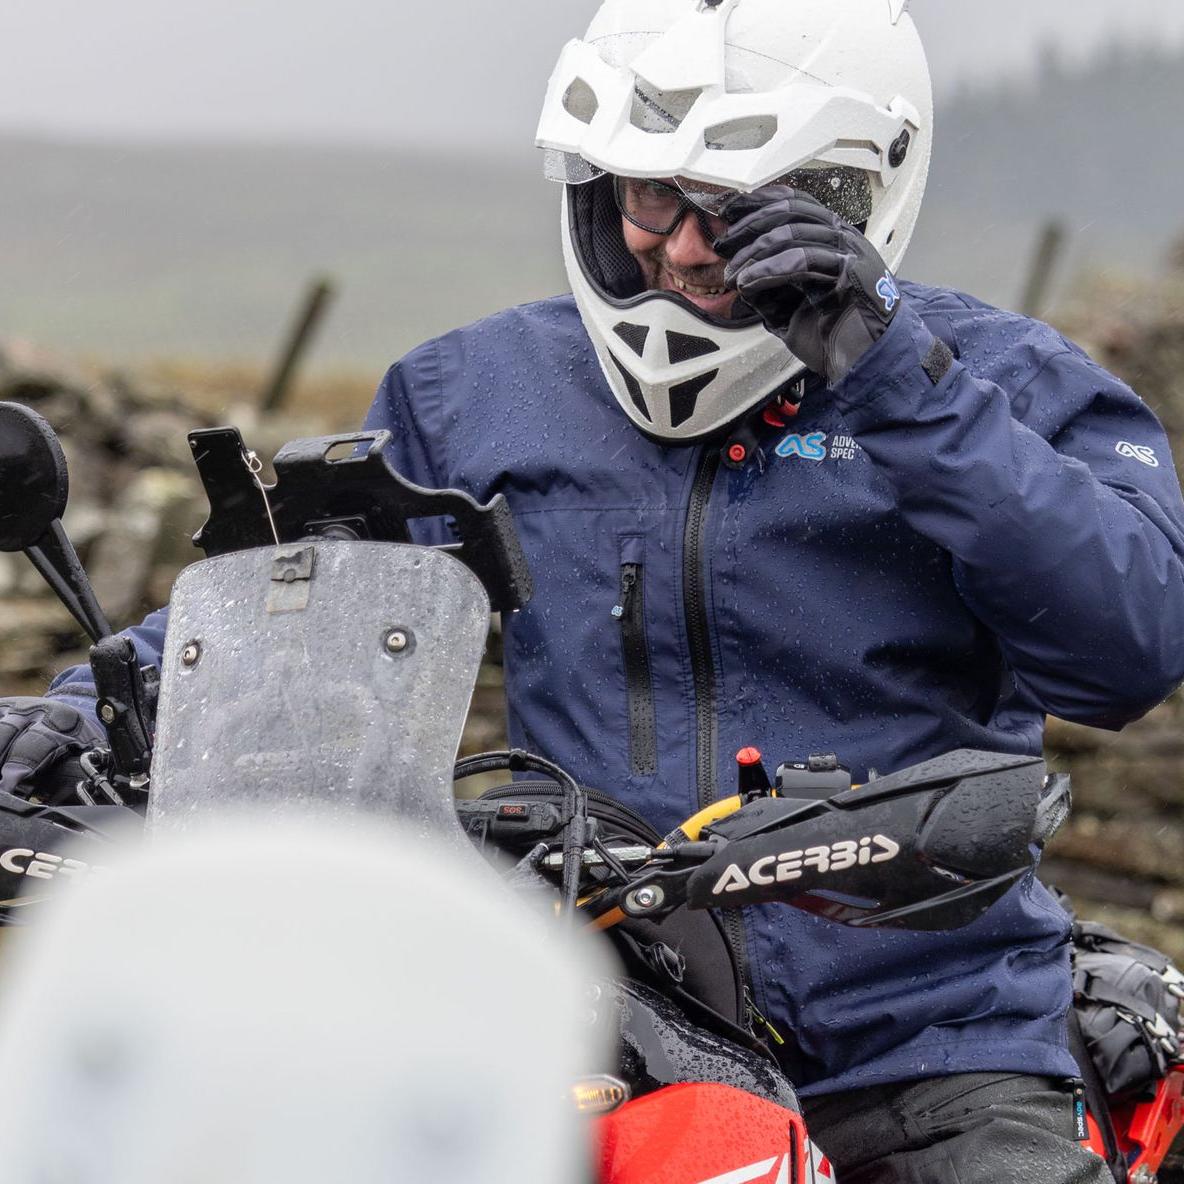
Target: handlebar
(931,847)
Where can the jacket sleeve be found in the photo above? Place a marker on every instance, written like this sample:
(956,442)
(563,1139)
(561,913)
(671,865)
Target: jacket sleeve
(407,405)
(1058,502)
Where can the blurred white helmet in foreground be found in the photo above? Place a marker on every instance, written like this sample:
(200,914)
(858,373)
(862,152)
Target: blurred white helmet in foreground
(732,95)
(299,1006)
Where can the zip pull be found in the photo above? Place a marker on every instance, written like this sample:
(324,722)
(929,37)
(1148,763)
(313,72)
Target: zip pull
(628,583)
(754,1014)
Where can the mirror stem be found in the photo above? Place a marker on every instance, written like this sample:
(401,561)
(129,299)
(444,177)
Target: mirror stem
(53,555)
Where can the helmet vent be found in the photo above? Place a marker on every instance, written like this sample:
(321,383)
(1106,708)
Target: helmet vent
(739,135)
(661,112)
(680,347)
(685,395)
(633,335)
(579,100)
(633,387)
(858,146)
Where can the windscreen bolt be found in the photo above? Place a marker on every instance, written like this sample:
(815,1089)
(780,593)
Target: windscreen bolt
(395,641)
(190,653)
(644,899)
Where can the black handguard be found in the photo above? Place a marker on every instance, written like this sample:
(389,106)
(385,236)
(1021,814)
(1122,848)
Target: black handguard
(929,848)
(41,845)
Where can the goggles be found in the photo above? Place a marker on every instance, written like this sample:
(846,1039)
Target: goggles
(660,206)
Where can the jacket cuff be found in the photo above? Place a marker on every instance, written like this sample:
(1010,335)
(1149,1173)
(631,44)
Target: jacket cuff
(906,364)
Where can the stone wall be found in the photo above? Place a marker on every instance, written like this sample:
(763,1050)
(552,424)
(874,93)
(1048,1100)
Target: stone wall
(1121,856)
(135,501)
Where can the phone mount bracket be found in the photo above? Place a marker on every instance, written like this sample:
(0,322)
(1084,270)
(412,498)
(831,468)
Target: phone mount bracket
(343,487)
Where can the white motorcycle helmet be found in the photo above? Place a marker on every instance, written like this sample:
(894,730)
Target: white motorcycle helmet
(726,95)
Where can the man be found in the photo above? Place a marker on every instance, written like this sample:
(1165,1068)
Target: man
(773,497)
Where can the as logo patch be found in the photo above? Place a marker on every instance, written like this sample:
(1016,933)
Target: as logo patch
(809,447)
(888,292)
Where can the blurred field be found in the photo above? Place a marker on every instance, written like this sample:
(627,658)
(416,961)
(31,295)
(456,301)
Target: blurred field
(336,399)
(138,251)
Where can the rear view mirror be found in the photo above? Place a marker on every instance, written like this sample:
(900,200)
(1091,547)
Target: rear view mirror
(33,489)
(33,481)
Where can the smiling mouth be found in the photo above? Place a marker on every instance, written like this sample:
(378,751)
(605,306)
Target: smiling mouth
(690,289)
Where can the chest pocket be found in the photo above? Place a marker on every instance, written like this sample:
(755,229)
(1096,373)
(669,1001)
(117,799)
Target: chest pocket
(629,612)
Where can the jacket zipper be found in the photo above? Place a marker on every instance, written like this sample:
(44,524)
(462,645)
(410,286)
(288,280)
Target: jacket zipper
(694,589)
(639,683)
(756,1020)
(694,593)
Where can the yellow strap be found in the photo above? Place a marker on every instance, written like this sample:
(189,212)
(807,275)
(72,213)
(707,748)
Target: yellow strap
(607,920)
(693,827)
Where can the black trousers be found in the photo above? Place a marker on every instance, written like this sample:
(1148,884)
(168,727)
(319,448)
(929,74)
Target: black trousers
(971,1128)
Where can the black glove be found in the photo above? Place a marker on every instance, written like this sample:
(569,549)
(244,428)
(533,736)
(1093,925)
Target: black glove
(40,740)
(816,282)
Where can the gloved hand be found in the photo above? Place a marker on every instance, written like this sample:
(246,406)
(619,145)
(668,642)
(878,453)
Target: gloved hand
(817,283)
(39,737)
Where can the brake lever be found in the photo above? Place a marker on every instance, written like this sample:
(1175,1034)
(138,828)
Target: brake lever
(99,788)
(655,892)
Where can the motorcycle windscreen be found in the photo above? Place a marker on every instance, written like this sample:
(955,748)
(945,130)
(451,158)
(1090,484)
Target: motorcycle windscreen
(330,676)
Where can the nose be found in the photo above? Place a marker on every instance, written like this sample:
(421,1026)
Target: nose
(687,247)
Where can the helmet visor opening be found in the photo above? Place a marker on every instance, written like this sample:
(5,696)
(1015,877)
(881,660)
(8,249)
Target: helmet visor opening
(598,243)
(655,206)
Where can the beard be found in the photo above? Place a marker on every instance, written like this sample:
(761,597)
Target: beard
(701,285)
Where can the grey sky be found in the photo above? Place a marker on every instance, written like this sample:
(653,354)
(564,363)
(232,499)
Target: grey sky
(460,73)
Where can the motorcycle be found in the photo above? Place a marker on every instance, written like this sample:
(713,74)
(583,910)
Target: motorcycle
(286,683)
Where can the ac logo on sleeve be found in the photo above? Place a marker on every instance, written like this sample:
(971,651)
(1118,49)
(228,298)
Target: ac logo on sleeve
(888,292)
(1140,452)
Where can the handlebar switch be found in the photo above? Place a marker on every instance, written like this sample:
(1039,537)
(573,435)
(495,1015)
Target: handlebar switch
(752,780)
(820,776)
(515,822)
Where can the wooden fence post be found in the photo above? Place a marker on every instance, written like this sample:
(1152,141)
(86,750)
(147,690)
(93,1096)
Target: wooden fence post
(320,293)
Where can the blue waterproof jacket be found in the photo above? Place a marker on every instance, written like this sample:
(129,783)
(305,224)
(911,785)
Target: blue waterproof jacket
(908,568)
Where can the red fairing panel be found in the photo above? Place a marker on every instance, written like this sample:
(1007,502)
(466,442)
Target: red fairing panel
(1146,1129)
(703,1134)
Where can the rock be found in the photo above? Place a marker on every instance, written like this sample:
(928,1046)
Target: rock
(1147,849)
(31,630)
(135,500)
